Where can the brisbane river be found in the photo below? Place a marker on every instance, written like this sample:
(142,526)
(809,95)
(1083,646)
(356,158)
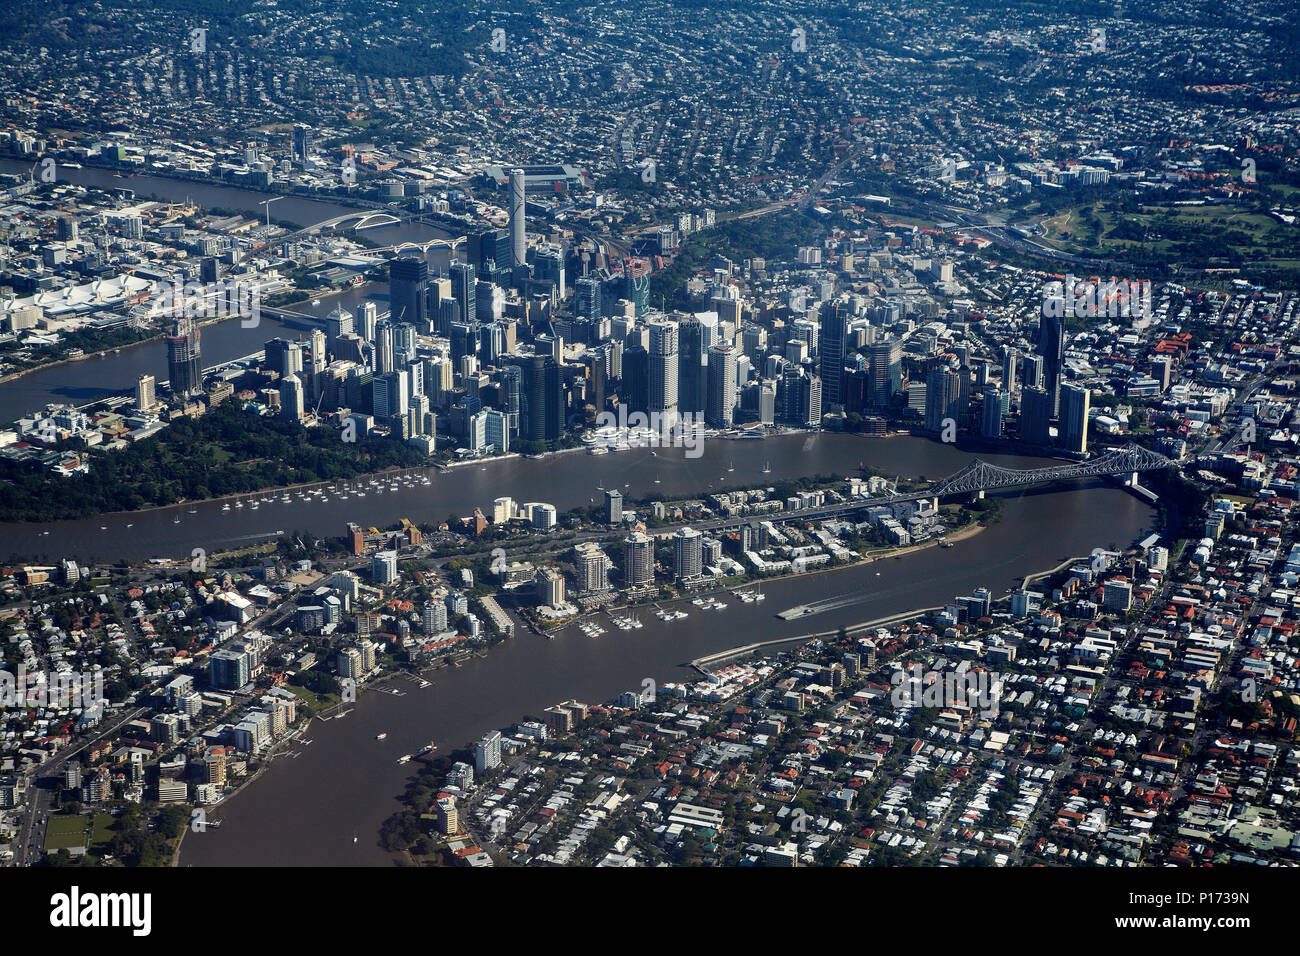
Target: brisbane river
(306,809)
(105,374)
(325,805)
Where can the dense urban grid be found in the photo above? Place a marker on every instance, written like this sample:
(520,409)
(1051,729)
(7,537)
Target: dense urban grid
(1062,242)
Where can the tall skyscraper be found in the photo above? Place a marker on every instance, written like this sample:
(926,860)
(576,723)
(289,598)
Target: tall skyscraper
(592,566)
(463,290)
(489,302)
(991,414)
(408,277)
(801,397)
(144,393)
(301,142)
(885,372)
(663,369)
(722,386)
(1075,401)
(512,384)
(1035,416)
(830,349)
(1031,371)
(292,398)
(369,321)
(586,297)
(542,414)
(691,370)
(1009,362)
(184,368)
(635,389)
(944,397)
(548,265)
(688,554)
(638,560)
(1051,346)
(494,251)
(518,242)
(385,355)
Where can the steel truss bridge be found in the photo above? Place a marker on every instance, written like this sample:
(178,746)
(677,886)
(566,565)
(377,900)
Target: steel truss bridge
(980,476)
(974,480)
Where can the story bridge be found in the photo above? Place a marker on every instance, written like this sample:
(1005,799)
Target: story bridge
(974,480)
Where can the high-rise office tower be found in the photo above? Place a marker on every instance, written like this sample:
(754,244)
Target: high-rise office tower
(464,341)
(991,414)
(494,250)
(518,243)
(283,357)
(1075,401)
(1009,362)
(635,389)
(489,302)
(448,315)
(392,395)
(586,297)
(597,378)
(636,288)
(753,341)
(722,386)
(492,343)
(542,412)
(1051,346)
(691,369)
(663,370)
(301,142)
(293,399)
(1035,416)
(548,265)
(337,324)
(885,372)
(512,384)
(317,352)
(613,506)
(767,402)
(833,332)
(144,393)
(1031,367)
(408,277)
(404,344)
(369,322)
(463,290)
(801,397)
(943,397)
(385,356)
(184,368)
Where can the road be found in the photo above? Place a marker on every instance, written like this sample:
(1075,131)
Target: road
(31,835)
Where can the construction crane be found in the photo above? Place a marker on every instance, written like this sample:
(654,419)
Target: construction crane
(267,204)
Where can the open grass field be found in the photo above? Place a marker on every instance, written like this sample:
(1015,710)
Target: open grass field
(1207,237)
(66,830)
